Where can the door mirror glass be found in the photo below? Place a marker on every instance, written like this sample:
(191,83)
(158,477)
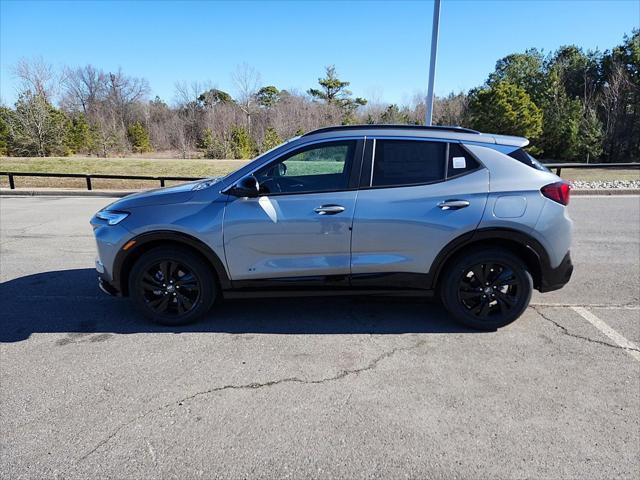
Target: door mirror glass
(247,187)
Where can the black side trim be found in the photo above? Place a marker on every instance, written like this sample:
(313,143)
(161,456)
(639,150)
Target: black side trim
(124,259)
(392,281)
(325,282)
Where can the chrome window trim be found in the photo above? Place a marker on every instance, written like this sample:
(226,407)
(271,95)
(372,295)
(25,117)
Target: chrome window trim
(373,162)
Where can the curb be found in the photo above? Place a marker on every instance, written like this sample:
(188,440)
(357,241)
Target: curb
(605,191)
(122,193)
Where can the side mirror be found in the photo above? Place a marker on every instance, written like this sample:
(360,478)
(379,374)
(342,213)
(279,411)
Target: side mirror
(247,187)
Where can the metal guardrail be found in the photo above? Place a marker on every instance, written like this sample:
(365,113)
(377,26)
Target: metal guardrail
(162,179)
(89,176)
(559,166)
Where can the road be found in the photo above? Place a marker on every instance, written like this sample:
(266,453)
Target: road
(314,388)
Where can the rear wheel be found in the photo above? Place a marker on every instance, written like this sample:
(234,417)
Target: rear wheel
(487,289)
(172,286)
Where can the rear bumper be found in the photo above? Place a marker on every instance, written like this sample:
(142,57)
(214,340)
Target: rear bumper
(556,278)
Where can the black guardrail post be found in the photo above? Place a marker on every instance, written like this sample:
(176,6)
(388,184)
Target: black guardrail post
(161,182)
(558,170)
(12,185)
(88,182)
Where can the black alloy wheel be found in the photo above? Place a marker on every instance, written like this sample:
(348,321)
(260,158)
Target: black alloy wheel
(486,289)
(489,289)
(172,285)
(170,288)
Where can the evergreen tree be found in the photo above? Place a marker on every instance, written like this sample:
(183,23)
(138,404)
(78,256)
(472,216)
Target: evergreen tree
(242,144)
(271,139)
(504,108)
(334,91)
(139,138)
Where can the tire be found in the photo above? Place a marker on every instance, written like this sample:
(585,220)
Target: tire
(187,296)
(487,289)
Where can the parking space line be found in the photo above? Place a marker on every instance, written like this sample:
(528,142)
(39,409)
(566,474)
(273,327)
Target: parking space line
(629,347)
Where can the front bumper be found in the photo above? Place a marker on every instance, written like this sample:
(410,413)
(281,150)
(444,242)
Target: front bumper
(556,278)
(107,288)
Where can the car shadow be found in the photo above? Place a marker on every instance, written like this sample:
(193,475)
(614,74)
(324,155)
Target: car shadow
(69,301)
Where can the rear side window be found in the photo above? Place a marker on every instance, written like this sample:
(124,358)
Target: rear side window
(408,162)
(460,161)
(523,157)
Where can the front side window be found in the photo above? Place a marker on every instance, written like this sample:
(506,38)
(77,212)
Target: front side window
(317,168)
(408,162)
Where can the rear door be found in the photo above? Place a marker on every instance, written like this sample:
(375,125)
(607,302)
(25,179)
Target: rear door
(300,225)
(415,197)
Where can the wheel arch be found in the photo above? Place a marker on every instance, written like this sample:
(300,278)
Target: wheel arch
(125,259)
(521,244)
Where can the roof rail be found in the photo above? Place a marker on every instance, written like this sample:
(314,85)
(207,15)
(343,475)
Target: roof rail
(391,127)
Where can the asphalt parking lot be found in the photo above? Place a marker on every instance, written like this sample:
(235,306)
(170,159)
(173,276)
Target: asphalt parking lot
(314,388)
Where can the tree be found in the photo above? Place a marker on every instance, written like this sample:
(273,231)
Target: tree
(334,91)
(213,97)
(246,80)
(268,96)
(504,108)
(590,134)
(242,145)
(526,70)
(37,128)
(562,117)
(139,138)
(83,88)
(271,139)
(79,137)
(5,139)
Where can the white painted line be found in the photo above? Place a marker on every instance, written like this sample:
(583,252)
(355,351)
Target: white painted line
(587,305)
(630,347)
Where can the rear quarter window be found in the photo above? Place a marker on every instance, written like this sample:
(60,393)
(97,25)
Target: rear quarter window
(460,161)
(523,157)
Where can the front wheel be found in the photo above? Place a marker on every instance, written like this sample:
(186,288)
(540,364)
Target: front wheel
(172,286)
(487,289)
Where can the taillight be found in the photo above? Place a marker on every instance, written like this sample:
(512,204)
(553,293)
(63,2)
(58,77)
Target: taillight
(558,192)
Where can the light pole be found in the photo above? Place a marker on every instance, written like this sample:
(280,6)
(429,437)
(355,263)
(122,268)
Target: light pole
(432,63)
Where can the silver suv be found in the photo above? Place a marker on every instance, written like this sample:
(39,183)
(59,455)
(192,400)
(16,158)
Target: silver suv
(449,212)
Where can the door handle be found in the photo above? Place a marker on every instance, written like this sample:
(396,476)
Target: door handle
(453,204)
(329,209)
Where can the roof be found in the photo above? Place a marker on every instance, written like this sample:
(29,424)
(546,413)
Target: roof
(436,131)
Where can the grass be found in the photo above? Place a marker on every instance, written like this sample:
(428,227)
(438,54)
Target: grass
(184,168)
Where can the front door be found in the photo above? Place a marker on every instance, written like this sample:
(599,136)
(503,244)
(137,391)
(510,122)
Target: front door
(300,225)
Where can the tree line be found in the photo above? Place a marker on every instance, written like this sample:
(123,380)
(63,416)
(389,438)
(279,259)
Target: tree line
(571,104)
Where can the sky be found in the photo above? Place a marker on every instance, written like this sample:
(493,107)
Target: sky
(381,47)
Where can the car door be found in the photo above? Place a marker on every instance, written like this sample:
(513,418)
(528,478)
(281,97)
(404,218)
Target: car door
(416,196)
(300,224)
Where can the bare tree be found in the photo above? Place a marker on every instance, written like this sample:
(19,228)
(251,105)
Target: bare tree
(83,87)
(247,81)
(37,76)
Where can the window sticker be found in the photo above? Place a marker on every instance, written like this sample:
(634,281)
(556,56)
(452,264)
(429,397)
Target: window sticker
(459,162)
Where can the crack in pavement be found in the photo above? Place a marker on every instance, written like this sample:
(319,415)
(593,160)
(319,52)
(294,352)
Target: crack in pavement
(254,386)
(568,333)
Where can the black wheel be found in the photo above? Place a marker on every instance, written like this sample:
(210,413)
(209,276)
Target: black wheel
(172,286)
(487,289)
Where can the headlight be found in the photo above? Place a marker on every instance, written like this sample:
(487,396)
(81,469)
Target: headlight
(112,218)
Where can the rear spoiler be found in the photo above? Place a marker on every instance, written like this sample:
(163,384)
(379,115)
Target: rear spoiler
(509,140)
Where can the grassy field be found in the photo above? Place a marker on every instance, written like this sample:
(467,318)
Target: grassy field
(178,167)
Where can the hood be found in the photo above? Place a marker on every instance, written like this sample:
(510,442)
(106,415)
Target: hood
(163,196)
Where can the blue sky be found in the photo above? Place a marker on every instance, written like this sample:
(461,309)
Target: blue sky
(382,48)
